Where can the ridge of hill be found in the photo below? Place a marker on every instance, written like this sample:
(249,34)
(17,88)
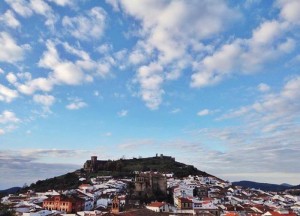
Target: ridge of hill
(295,187)
(10,190)
(262,186)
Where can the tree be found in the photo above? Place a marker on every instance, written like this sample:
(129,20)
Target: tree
(5,210)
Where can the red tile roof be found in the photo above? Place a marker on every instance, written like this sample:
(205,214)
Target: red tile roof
(183,199)
(231,214)
(85,185)
(156,204)
(275,213)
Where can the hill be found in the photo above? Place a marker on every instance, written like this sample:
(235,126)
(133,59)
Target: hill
(295,187)
(10,190)
(262,186)
(63,182)
(116,168)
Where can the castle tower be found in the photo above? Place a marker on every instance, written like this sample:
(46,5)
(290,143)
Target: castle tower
(93,162)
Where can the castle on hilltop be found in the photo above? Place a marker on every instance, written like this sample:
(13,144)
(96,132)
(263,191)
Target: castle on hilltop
(94,165)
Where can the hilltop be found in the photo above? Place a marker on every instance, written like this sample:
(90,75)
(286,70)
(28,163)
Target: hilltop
(127,167)
(116,168)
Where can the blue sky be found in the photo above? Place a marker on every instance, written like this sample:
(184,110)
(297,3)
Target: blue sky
(213,83)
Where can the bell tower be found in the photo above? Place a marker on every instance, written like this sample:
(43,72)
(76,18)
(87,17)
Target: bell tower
(116,205)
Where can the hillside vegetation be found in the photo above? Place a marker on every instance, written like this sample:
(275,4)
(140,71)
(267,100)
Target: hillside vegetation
(117,168)
(126,167)
(63,182)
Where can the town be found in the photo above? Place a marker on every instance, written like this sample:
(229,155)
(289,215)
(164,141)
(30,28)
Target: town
(152,193)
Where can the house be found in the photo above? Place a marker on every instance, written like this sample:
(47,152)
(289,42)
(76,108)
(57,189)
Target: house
(39,213)
(280,212)
(182,191)
(68,204)
(205,208)
(201,192)
(86,187)
(158,207)
(90,213)
(184,203)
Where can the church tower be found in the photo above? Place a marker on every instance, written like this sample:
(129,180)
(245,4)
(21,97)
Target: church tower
(116,205)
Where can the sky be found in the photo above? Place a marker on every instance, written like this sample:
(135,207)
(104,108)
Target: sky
(213,83)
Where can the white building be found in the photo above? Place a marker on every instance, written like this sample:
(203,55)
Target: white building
(158,207)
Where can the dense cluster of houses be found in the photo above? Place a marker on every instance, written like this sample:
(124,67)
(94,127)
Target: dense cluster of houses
(211,196)
(194,195)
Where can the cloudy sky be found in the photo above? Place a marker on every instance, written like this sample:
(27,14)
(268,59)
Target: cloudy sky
(213,83)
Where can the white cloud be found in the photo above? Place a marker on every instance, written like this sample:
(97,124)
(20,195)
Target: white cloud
(214,68)
(40,7)
(150,79)
(164,23)
(272,111)
(10,51)
(85,27)
(289,10)
(114,4)
(77,52)
(269,41)
(76,104)
(68,73)
(288,46)
(62,2)
(45,100)
(104,48)
(166,40)
(123,113)
(72,73)
(8,18)
(262,87)
(11,78)
(176,110)
(244,55)
(28,8)
(267,32)
(64,72)
(8,122)
(136,57)
(38,84)
(101,67)
(21,7)
(7,94)
(24,76)
(204,112)
(8,117)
